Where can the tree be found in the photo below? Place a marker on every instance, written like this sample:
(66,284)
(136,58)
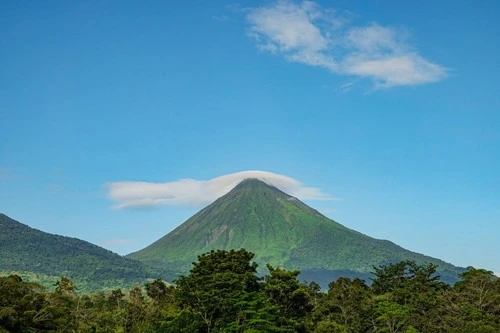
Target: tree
(16,299)
(115,299)
(256,314)
(216,285)
(163,308)
(347,304)
(480,288)
(65,286)
(292,298)
(59,310)
(135,311)
(404,278)
(390,316)
(159,292)
(473,304)
(415,288)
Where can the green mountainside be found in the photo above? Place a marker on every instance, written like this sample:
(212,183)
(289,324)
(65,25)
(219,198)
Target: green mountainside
(45,257)
(281,231)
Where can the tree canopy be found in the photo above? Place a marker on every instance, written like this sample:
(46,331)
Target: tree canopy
(223,293)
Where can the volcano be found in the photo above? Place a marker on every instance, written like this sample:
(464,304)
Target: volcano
(282,231)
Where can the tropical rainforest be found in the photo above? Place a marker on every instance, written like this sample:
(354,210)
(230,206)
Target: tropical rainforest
(223,293)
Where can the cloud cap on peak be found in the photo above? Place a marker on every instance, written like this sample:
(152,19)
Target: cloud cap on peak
(130,194)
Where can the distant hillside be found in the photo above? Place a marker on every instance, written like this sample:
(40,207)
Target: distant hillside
(24,249)
(282,231)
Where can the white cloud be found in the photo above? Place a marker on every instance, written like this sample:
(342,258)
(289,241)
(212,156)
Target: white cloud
(408,69)
(375,39)
(310,34)
(130,194)
(291,29)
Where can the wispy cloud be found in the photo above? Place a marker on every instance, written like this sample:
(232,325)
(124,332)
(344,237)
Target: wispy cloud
(345,87)
(129,194)
(292,30)
(310,34)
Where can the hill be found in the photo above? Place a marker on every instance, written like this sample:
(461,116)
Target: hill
(282,231)
(45,256)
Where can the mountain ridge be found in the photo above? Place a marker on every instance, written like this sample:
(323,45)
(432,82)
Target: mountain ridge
(29,250)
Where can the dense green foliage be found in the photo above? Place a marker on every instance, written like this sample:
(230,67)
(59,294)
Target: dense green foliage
(222,293)
(41,256)
(282,231)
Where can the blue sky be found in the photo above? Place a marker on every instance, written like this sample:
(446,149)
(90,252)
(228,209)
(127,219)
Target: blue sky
(389,107)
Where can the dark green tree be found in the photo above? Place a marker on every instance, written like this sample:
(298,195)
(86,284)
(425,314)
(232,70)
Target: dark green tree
(163,308)
(409,292)
(135,311)
(472,305)
(19,303)
(291,297)
(347,304)
(216,285)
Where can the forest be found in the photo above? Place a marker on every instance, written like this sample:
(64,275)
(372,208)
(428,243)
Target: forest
(224,293)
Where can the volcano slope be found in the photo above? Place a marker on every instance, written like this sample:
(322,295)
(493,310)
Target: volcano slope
(281,231)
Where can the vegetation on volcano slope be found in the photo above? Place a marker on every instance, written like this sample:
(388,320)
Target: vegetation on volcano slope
(222,293)
(282,231)
(41,256)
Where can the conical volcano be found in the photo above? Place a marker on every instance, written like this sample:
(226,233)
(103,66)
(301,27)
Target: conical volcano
(281,231)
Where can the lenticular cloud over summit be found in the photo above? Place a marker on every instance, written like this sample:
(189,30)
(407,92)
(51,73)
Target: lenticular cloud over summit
(129,194)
